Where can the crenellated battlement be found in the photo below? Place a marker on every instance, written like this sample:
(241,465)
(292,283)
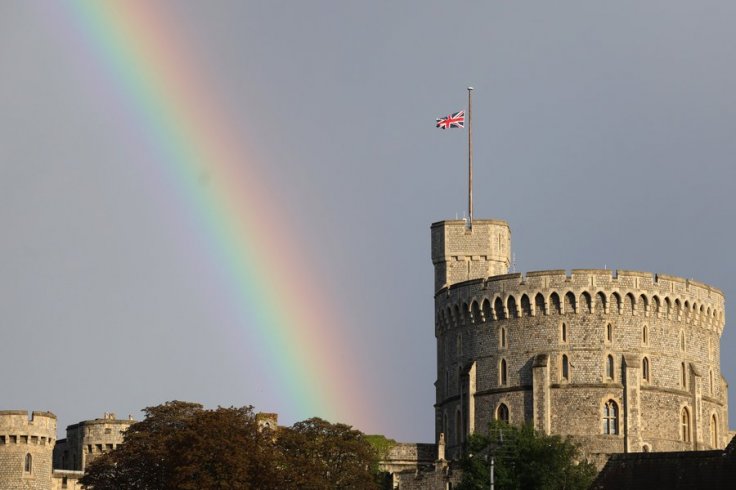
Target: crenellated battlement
(26,445)
(580,291)
(17,426)
(615,358)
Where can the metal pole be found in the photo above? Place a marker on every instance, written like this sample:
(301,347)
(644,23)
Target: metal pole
(470,157)
(493,461)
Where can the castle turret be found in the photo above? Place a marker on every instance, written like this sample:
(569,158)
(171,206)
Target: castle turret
(26,445)
(88,440)
(461,253)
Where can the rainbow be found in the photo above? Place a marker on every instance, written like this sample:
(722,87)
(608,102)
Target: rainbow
(139,51)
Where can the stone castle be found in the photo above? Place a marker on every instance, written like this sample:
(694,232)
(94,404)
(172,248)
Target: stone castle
(622,361)
(32,459)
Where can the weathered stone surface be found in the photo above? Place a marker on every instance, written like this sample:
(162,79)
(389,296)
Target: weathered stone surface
(87,440)
(586,316)
(26,445)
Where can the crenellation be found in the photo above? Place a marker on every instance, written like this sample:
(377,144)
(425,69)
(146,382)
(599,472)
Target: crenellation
(557,348)
(26,442)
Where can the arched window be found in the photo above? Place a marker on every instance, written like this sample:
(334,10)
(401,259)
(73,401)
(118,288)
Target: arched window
(563,332)
(685,419)
(645,369)
(609,367)
(683,375)
(502,373)
(29,464)
(609,333)
(502,413)
(714,431)
(565,368)
(610,418)
(644,336)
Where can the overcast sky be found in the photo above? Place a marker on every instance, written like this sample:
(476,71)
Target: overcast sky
(604,134)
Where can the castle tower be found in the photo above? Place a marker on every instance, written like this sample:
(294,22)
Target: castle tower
(88,440)
(461,253)
(26,446)
(622,361)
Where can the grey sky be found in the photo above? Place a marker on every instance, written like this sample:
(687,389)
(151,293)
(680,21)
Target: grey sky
(604,134)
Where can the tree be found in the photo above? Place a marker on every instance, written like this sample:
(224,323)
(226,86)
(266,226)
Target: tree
(180,445)
(524,459)
(321,455)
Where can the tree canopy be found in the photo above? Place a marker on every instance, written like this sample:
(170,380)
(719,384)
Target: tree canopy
(318,454)
(524,459)
(181,445)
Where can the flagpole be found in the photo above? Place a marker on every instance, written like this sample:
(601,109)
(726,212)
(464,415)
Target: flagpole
(470,157)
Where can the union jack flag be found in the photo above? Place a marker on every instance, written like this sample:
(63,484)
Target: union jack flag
(456,120)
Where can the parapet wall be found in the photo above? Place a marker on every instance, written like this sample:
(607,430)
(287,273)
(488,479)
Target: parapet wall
(408,456)
(582,290)
(646,344)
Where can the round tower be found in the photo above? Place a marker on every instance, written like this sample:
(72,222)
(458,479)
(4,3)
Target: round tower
(26,446)
(622,361)
(89,439)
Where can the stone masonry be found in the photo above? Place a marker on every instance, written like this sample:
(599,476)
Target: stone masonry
(26,445)
(623,361)
(89,439)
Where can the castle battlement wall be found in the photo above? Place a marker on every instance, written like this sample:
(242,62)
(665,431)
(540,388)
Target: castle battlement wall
(582,290)
(623,361)
(26,445)
(88,439)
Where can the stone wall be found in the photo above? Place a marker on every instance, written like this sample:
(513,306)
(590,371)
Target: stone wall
(87,440)
(66,480)
(26,445)
(558,349)
(408,456)
(461,253)
(670,324)
(441,477)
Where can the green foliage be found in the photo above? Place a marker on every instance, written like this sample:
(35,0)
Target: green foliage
(180,445)
(381,444)
(524,459)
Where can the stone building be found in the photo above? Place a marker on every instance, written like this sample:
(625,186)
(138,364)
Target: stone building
(623,361)
(26,446)
(32,459)
(87,440)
